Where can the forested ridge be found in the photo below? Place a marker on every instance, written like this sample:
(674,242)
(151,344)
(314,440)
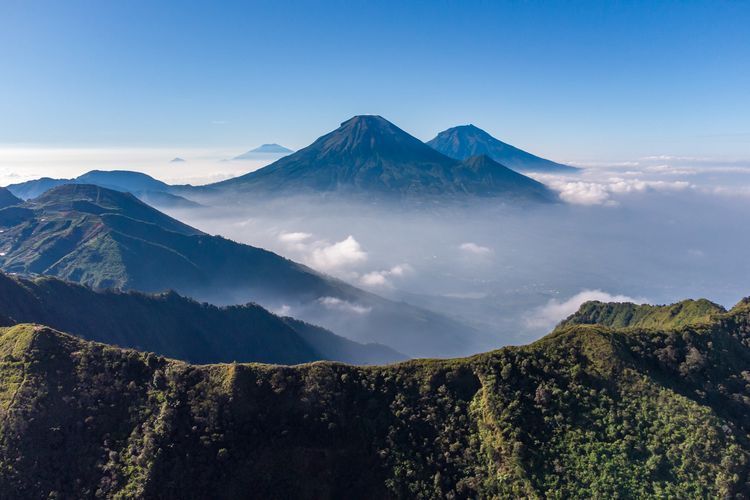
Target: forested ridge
(589,411)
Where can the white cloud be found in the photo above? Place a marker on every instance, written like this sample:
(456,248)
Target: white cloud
(284,310)
(618,185)
(295,237)
(554,311)
(337,304)
(601,191)
(733,191)
(582,193)
(338,255)
(474,249)
(381,278)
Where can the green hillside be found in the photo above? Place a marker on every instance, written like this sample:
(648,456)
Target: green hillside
(586,412)
(176,326)
(624,314)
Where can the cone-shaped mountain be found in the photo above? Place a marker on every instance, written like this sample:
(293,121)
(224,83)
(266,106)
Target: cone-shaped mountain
(369,154)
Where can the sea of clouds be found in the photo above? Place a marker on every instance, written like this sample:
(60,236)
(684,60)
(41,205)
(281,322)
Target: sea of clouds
(655,229)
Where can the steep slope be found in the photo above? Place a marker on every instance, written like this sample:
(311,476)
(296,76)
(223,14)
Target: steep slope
(8,199)
(178,327)
(104,238)
(588,412)
(467,140)
(368,155)
(626,314)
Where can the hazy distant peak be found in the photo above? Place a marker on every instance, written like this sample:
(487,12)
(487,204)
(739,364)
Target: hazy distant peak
(177,160)
(263,148)
(464,141)
(271,148)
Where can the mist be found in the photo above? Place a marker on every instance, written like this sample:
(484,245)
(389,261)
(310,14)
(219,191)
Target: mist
(643,233)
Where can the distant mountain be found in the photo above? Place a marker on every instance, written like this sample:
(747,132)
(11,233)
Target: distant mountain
(165,200)
(174,326)
(31,189)
(586,412)
(370,155)
(119,180)
(143,186)
(265,148)
(109,239)
(467,140)
(177,160)
(8,199)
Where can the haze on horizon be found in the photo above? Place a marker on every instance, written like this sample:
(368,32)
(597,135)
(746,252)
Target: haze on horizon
(569,82)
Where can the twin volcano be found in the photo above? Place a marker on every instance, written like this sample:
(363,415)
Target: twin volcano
(370,155)
(467,140)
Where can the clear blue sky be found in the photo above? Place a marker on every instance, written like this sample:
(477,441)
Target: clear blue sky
(567,79)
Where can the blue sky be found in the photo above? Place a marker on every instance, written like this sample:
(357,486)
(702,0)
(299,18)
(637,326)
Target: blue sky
(570,80)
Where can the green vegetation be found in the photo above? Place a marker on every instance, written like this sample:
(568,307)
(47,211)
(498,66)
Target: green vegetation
(178,327)
(625,314)
(587,412)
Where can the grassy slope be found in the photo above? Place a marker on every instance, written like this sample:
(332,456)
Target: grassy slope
(588,411)
(626,314)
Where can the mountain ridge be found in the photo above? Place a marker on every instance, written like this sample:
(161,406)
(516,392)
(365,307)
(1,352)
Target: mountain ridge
(177,327)
(586,411)
(143,186)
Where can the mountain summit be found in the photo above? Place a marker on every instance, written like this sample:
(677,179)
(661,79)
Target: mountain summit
(467,140)
(370,155)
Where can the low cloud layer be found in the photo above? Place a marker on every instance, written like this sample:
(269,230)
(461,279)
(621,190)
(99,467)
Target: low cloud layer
(336,304)
(604,191)
(341,254)
(474,249)
(383,278)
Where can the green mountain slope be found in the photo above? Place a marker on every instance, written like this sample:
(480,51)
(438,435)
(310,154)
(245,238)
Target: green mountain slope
(624,314)
(368,155)
(109,239)
(178,327)
(586,412)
